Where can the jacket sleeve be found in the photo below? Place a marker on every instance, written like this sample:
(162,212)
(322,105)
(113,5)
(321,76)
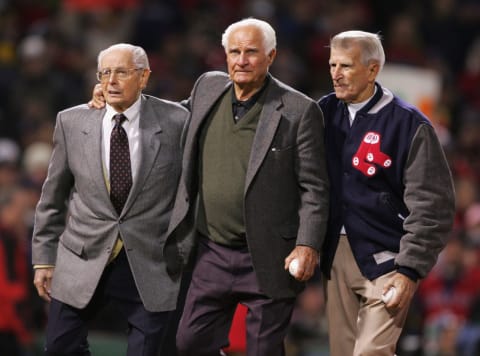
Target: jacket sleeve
(312,179)
(430,198)
(52,208)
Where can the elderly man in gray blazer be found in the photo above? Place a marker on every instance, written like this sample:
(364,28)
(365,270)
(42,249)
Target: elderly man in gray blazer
(254,191)
(101,222)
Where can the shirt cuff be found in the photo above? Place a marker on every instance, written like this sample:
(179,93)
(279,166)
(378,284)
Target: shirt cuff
(43,266)
(409,272)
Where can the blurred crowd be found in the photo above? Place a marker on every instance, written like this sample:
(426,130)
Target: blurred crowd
(48,55)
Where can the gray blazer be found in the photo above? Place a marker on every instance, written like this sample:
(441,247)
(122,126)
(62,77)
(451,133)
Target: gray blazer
(286,190)
(76,225)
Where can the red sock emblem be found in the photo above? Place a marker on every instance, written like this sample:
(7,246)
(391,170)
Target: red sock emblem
(368,155)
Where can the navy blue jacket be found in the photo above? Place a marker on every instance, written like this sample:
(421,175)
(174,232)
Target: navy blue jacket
(382,188)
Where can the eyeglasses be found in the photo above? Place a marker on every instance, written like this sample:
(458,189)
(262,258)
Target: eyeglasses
(120,73)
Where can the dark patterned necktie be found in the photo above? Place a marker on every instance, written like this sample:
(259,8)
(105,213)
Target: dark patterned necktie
(120,167)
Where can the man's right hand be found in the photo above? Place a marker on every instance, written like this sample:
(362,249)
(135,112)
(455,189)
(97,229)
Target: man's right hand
(98,100)
(43,281)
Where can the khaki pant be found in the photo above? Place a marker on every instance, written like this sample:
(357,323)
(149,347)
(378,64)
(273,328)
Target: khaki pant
(359,323)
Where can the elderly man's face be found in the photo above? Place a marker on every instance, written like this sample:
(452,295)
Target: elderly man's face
(353,81)
(246,58)
(123,82)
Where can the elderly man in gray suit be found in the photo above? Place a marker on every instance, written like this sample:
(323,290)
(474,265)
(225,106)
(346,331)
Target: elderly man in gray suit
(254,190)
(101,222)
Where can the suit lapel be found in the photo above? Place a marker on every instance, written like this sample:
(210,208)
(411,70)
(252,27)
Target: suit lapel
(149,128)
(93,150)
(201,111)
(267,126)
(199,114)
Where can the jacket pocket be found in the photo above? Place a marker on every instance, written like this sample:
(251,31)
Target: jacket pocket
(288,232)
(395,207)
(74,246)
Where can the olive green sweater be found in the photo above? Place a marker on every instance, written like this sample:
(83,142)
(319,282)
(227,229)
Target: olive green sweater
(224,154)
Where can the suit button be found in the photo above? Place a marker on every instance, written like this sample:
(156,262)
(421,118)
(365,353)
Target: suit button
(120,221)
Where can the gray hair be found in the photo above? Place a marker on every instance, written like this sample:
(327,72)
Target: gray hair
(269,37)
(370,45)
(139,56)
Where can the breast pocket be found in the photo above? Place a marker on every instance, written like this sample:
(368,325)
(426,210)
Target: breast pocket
(278,150)
(167,159)
(162,167)
(280,160)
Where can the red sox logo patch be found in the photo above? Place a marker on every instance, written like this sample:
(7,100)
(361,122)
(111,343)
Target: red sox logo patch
(369,155)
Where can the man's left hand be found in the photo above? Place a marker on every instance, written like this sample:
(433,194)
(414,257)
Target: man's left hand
(307,261)
(404,291)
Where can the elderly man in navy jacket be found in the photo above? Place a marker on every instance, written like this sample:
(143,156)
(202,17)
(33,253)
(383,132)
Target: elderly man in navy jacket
(392,200)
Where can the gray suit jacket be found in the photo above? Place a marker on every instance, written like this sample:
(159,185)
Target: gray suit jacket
(76,225)
(286,190)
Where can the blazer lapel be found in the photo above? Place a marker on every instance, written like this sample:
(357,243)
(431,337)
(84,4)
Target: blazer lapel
(203,108)
(149,128)
(199,115)
(93,151)
(267,126)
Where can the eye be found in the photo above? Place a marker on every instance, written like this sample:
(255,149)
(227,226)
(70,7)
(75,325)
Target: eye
(106,72)
(121,72)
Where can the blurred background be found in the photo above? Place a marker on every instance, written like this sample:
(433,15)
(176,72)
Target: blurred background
(48,52)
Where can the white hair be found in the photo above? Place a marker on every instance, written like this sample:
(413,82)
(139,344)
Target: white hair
(269,37)
(139,56)
(370,44)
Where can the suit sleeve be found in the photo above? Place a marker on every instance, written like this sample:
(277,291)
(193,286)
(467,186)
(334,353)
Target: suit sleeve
(312,178)
(52,209)
(430,198)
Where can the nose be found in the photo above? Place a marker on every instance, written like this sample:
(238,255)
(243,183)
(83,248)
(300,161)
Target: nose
(335,72)
(242,59)
(112,78)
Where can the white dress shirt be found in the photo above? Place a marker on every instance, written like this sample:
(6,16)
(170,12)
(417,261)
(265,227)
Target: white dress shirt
(131,126)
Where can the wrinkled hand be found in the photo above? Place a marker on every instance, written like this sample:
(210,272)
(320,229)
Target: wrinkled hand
(307,261)
(98,100)
(43,282)
(404,288)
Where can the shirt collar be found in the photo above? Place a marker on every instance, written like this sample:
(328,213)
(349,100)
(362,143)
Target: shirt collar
(253,99)
(132,113)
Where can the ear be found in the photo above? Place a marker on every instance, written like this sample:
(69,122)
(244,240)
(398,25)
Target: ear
(373,69)
(271,56)
(144,78)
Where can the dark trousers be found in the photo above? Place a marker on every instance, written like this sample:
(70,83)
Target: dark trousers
(9,344)
(223,277)
(67,327)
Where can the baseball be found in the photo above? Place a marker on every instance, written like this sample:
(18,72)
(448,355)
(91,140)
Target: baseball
(389,295)
(293,267)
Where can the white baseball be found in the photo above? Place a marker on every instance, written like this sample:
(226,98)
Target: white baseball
(387,297)
(293,267)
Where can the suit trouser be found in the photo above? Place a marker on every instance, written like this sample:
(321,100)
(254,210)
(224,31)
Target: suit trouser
(67,327)
(223,277)
(359,323)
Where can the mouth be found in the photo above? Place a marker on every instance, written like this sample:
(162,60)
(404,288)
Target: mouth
(242,71)
(112,92)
